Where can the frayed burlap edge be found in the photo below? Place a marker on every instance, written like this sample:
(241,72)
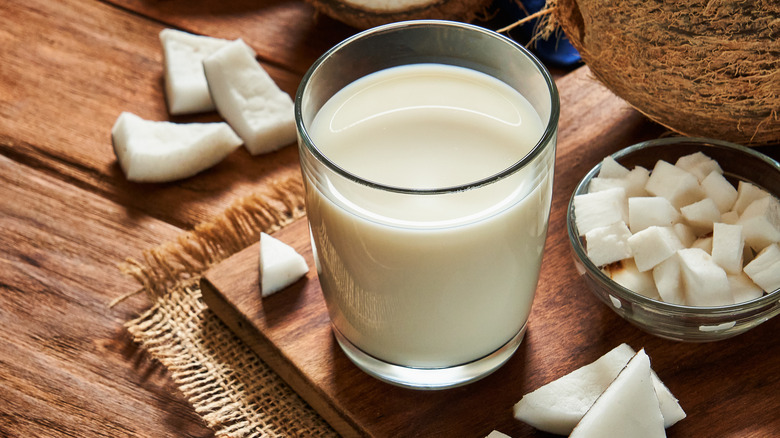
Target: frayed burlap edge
(228,385)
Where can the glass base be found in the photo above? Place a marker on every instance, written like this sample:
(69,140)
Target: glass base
(430,378)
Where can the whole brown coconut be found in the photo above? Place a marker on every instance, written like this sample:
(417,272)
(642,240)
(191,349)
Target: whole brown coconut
(706,68)
(363,14)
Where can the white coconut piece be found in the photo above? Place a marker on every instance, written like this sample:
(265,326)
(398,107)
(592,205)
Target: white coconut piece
(600,209)
(633,183)
(612,169)
(699,165)
(608,244)
(717,188)
(497,434)
(675,184)
(743,288)
(668,281)
(706,283)
(746,194)
(186,89)
(150,151)
(559,405)
(685,234)
(727,247)
(250,101)
(627,408)
(630,277)
(761,222)
(644,212)
(701,215)
(764,269)
(280,265)
(653,245)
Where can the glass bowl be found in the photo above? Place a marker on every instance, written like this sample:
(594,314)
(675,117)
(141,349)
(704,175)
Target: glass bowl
(667,320)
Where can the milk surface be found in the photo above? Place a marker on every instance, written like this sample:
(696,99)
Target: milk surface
(429,280)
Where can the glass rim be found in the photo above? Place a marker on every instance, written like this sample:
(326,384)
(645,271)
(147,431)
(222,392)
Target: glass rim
(541,144)
(629,295)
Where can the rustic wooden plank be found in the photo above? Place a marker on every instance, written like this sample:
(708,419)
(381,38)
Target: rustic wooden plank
(69,69)
(67,365)
(568,327)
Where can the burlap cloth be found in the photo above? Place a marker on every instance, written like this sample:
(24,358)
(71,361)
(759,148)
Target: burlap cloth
(229,386)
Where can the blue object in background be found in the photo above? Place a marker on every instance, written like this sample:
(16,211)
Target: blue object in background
(555,51)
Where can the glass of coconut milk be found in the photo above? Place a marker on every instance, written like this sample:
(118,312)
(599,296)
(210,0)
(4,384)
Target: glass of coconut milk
(427,150)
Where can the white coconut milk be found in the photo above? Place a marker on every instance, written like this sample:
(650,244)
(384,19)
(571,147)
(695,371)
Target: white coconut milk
(429,280)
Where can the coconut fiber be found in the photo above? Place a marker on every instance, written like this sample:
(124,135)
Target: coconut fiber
(229,386)
(699,67)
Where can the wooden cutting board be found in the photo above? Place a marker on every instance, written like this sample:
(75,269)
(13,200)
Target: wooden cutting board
(728,388)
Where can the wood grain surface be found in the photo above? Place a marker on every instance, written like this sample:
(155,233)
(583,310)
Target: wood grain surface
(717,383)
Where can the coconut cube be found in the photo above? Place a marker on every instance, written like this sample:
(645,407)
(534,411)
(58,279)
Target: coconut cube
(727,247)
(627,275)
(600,209)
(497,434)
(698,164)
(608,244)
(249,100)
(717,188)
(764,269)
(685,234)
(761,222)
(668,281)
(675,184)
(612,169)
(743,288)
(701,215)
(633,182)
(746,194)
(647,211)
(653,245)
(706,283)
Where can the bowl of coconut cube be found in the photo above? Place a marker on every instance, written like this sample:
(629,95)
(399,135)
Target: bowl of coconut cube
(679,236)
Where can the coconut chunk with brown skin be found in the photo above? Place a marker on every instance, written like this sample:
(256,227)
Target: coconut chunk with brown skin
(626,274)
(764,269)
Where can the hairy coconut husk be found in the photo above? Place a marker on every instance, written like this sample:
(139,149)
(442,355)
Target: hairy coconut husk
(699,67)
(363,14)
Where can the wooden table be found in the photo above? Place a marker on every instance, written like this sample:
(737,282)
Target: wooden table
(68,216)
